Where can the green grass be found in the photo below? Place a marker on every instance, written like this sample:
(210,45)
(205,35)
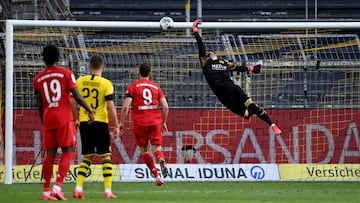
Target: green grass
(207,192)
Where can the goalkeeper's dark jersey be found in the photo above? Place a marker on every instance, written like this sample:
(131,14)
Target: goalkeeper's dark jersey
(217,75)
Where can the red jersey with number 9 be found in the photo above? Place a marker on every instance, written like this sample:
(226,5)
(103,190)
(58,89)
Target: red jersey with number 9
(54,84)
(145,104)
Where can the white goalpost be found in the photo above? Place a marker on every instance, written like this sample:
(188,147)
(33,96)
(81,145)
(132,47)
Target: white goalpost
(203,125)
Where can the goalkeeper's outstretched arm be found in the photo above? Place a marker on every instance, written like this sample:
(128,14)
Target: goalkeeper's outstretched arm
(201,47)
(243,68)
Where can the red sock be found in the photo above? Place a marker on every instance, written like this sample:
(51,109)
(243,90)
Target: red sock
(159,155)
(47,170)
(64,166)
(150,163)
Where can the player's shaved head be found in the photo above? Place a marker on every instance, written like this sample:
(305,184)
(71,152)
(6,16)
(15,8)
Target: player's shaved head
(50,54)
(145,69)
(96,61)
(212,55)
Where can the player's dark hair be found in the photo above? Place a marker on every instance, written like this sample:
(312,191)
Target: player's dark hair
(96,61)
(145,69)
(50,54)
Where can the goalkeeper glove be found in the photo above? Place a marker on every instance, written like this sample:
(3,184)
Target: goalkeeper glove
(195,25)
(255,68)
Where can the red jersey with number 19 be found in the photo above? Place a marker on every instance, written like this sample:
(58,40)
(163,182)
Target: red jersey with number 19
(145,105)
(54,84)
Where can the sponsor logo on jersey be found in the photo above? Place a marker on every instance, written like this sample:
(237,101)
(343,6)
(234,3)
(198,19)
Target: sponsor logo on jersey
(218,66)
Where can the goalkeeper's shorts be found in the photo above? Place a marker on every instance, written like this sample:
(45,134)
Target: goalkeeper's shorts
(235,101)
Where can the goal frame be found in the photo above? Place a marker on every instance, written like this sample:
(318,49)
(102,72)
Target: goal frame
(9,42)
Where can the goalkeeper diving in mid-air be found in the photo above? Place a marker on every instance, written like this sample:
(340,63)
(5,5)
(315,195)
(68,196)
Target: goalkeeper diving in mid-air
(217,75)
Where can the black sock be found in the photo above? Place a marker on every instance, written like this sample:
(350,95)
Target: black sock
(260,113)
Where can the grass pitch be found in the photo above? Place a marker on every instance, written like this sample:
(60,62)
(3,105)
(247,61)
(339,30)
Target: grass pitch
(198,192)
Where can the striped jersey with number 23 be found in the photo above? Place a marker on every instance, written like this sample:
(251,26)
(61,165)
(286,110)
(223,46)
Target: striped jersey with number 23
(96,90)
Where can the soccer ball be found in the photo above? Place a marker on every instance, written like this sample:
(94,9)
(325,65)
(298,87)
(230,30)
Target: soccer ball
(166,23)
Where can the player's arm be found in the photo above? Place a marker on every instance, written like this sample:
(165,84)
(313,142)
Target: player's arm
(39,104)
(201,47)
(80,100)
(164,112)
(110,105)
(74,111)
(243,68)
(124,111)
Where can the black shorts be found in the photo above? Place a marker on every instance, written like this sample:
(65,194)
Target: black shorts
(95,138)
(234,99)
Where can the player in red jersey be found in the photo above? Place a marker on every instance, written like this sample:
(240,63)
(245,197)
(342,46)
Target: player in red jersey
(53,88)
(149,120)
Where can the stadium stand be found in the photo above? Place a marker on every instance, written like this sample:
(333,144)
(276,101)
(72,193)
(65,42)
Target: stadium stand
(227,10)
(34,10)
(281,86)
(320,86)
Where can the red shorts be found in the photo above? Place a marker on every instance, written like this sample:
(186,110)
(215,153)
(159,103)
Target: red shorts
(60,137)
(151,133)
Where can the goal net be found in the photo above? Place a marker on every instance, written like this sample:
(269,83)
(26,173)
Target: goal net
(309,85)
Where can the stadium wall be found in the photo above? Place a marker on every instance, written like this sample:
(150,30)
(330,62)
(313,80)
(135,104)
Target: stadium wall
(227,139)
(201,172)
(230,149)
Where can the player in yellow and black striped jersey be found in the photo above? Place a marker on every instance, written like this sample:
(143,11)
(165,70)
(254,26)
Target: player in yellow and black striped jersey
(98,93)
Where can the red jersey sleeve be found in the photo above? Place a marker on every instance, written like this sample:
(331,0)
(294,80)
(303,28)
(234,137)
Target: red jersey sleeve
(71,80)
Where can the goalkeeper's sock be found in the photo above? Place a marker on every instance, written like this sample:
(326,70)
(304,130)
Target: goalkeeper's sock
(47,171)
(150,164)
(107,172)
(64,166)
(82,172)
(260,113)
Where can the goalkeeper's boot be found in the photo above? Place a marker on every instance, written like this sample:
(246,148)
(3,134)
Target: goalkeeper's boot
(109,195)
(159,181)
(164,169)
(78,195)
(58,195)
(48,197)
(276,129)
